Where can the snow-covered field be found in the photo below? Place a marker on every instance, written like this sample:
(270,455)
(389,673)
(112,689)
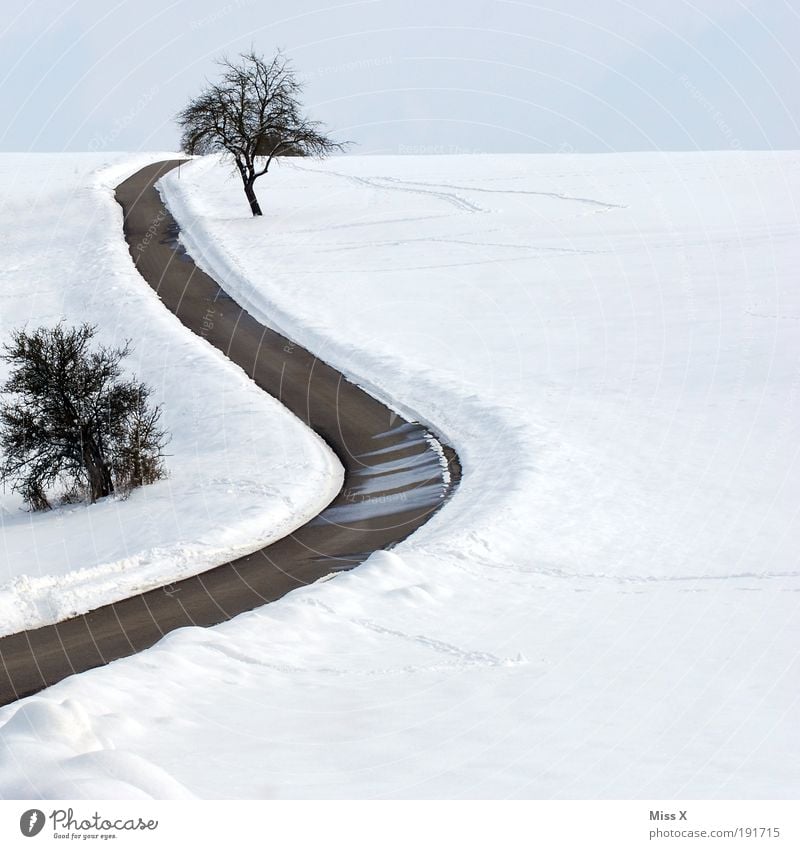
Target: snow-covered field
(229,490)
(608,606)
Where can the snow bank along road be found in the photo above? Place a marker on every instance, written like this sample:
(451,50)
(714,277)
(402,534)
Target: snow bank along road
(396,473)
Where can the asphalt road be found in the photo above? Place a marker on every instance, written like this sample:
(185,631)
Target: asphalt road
(394,479)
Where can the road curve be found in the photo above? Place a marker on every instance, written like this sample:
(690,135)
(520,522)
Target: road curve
(396,473)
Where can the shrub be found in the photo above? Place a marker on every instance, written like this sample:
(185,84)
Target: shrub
(69,418)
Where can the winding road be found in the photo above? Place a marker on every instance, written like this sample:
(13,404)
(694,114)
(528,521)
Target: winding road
(396,473)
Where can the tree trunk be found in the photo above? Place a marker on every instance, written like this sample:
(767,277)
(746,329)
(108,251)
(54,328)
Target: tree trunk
(97,471)
(251,197)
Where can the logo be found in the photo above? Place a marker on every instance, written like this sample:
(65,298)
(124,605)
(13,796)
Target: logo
(31,822)
(66,825)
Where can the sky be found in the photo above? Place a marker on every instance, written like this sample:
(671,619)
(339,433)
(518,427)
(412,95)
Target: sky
(416,76)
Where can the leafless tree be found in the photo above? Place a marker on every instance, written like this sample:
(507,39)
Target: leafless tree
(253,114)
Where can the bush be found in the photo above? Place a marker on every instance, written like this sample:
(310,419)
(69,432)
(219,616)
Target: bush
(70,419)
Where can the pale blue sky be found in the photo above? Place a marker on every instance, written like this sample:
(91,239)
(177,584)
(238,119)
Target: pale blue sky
(414,75)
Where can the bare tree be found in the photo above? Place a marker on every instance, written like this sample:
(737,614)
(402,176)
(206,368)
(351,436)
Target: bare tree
(253,114)
(70,418)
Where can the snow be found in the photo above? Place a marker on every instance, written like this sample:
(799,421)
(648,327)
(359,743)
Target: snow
(608,605)
(229,490)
